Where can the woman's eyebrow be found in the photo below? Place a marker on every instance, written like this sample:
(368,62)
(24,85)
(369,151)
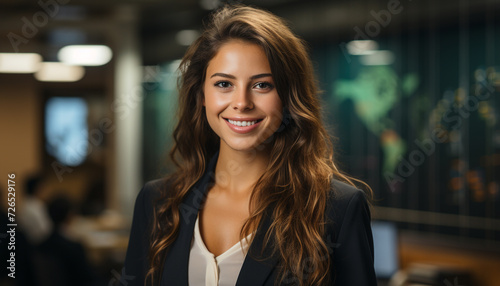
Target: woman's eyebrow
(233,77)
(261,75)
(223,75)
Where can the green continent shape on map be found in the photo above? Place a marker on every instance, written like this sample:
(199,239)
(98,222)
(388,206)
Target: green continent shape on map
(374,92)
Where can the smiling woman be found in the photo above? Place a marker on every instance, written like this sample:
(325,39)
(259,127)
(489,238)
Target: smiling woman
(257,198)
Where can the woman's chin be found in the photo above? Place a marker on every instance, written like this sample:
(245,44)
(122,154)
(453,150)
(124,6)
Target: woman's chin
(244,147)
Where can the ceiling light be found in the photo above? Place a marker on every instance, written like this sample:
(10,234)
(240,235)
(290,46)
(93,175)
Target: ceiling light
(19,62)
(361,47)
(60,72)
(377,58)
(85,55)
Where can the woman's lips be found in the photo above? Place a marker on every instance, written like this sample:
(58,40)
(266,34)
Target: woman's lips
(242,125)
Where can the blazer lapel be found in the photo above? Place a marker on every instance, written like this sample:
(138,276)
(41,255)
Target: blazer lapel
(258,264)
(175,268)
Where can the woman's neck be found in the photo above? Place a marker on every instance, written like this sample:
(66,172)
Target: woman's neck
(237,172)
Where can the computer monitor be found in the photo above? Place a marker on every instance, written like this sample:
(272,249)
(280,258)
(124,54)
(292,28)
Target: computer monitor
(385,242)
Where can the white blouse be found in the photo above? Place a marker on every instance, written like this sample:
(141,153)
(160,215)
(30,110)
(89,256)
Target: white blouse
(206,269)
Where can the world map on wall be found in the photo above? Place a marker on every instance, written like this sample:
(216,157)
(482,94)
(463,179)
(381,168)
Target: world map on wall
(374,92)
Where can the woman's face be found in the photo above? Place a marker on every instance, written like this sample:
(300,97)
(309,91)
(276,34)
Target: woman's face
(242,105)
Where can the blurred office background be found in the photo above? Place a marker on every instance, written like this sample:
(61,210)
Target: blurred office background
(410,90)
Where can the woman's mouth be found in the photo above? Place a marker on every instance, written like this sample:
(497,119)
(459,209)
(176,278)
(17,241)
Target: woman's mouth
(242,125)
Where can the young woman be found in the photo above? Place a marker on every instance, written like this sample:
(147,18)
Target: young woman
(257,198)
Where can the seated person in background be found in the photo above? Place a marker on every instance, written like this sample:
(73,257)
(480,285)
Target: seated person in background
(62,261)
(33,218)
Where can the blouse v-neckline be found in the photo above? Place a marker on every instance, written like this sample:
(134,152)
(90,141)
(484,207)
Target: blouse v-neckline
(241,245)
(207,269)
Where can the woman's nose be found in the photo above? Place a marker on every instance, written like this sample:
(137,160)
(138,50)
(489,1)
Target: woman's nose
(242,99)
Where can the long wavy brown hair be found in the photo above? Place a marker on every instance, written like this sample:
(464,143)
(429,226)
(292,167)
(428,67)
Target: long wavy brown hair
(297,182)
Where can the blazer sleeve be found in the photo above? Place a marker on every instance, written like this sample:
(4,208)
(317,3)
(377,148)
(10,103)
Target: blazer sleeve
(136,261)
(352,262)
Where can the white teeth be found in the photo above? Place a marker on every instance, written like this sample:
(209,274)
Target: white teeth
(242,123)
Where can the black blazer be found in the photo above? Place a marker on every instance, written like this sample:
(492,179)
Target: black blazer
(348,238)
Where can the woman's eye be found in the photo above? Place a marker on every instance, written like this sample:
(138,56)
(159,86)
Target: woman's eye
(263,85)
(223,84)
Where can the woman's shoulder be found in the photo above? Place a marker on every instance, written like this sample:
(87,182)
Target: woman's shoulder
(346,202)
(149,195)
(342,193)
(154,189)
(349,235)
